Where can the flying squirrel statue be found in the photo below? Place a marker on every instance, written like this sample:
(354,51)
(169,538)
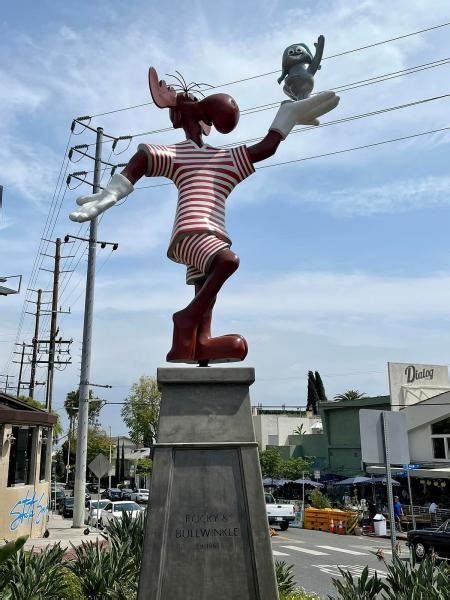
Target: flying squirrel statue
(299,67)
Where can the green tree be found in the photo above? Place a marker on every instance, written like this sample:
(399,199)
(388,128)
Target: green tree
(295,467)
(140,411)
(98,443)
(71,406)
(144,466)
(350,395)
(57,427)
(320,387)
(271,462)
(313,399)
(319,500)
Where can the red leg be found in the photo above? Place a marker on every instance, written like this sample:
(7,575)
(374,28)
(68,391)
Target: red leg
(225,348)
(195,319)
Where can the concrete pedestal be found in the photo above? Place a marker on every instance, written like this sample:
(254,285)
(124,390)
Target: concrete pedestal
(207,534)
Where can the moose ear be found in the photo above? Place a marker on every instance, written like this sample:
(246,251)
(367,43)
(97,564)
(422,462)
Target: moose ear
(163,96)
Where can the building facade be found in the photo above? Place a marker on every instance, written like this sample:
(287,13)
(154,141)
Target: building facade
(24,468)
(275,427)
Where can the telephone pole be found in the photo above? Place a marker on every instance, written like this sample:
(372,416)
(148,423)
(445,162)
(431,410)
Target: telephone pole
(83,396)
(37,315)
(7,387)
(53,327)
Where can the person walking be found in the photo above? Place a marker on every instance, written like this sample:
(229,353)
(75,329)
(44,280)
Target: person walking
(398,514)
(432,510)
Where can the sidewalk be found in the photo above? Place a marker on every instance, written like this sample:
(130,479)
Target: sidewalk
(61,531)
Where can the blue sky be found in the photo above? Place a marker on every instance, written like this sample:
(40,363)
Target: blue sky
(344,259)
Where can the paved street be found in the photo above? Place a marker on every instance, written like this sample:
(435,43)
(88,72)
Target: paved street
(316,556)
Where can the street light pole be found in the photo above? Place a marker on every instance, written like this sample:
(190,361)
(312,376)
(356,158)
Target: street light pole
(84,389)
(110,458)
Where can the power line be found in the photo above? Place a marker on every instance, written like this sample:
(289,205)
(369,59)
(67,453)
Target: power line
(228,83)
(406,137)
(35,269)
(326,124)
(340,88)
(325,154)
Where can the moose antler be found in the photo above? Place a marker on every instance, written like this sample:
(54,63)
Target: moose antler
(163,95)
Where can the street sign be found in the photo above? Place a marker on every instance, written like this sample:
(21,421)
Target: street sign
(100,466)
(316,474)
(411,467)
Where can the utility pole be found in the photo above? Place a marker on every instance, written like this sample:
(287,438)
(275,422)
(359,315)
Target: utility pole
(53,327)
(83,395)
(110,458)
(19,383)
(37,315)
(7,378)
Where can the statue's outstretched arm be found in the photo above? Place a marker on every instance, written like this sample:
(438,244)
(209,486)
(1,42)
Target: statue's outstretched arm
(121,185)
(315,63)
(265,148)
(137,166)
(301,112)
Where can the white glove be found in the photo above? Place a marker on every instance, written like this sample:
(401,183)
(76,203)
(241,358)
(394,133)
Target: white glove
(94,204)
(303,112)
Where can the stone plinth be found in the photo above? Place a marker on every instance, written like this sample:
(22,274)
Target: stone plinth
(207,534)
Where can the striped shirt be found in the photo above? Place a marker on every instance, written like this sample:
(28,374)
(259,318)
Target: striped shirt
(204,177)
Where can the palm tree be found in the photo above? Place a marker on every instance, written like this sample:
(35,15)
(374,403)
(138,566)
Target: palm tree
(350,395)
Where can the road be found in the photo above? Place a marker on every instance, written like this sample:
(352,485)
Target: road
(316,556)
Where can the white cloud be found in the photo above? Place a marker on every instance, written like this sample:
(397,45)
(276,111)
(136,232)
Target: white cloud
(400,196)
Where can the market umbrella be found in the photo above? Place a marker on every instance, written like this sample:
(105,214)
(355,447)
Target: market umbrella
(354,481)
(382,480)
(308,482)
(275,482)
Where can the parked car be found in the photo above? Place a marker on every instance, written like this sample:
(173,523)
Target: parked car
(93,510)
(92,488)
(66,507)
(112,494)
(425,541)
(279,514)
(56,498)
(126,493)
(139,495)
(115,510)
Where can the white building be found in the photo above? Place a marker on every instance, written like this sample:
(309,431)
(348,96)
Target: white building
(274,428)
(422,393)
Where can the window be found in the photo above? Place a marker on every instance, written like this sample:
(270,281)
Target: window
(440,437)
(438,447)
(20,451)
(441,427)
(43,454)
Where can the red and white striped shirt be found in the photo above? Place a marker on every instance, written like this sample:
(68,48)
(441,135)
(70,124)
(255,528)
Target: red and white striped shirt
(204,177)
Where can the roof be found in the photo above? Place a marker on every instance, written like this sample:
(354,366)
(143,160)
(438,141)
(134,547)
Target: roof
(360,403)
(16,412)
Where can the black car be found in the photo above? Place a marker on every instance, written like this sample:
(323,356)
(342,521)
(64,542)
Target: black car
(92,487)
(425,541)
(112,494)
(56,498)
(126,493)
(66,507)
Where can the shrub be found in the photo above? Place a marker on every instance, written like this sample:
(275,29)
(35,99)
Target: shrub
(319,500)
(34,575)
(112,572)
(74,588)
(285,577)
(404,581)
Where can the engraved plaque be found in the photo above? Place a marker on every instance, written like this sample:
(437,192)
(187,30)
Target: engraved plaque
(207,530)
